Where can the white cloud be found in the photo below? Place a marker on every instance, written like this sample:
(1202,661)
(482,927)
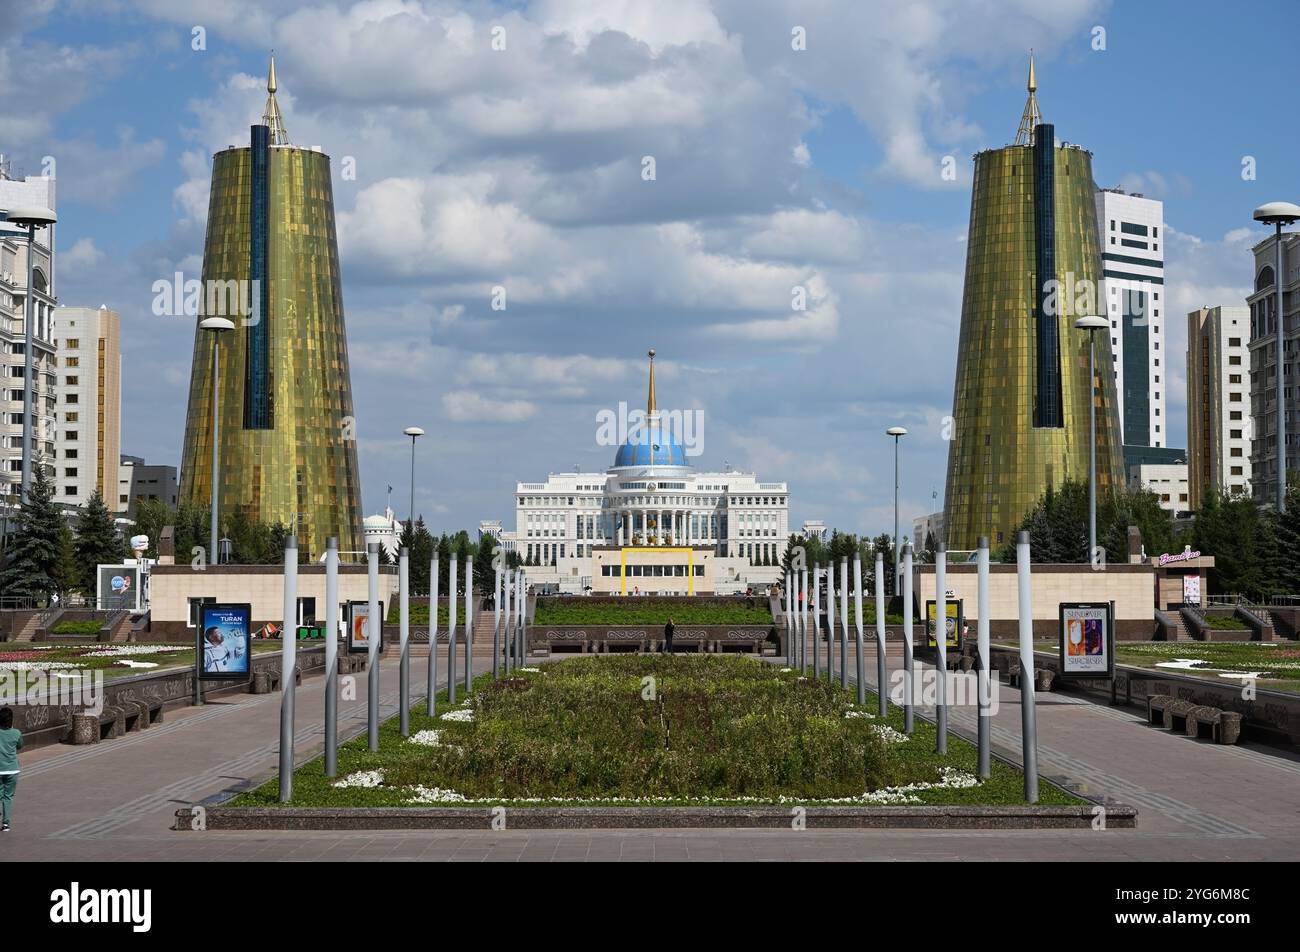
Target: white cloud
(467,406)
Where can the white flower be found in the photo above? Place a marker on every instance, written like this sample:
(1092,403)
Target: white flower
(855,713)
(426,738)
(786,670)
(119,651)
(363,778)
(36,665)
(889,735)
(138,664)
(458,715)
(532,670)
(435,795)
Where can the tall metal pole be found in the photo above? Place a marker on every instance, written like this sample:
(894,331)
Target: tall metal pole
(507,628)
(803,620)
(451,633)
(941,648)
(817,623)
(830,620)
(982,651)
(1028,720)
(29,383)
(844,621)
(497,596)
(882,674)
(1278,381)
(411,511)
(521,607)
(789,624)
(896,546)
(1092,448)
(431,689)
(375,625)
(288,647)
(469,623)
(331,656)
(404,638)
(857,614)
(214,556)
(907,639)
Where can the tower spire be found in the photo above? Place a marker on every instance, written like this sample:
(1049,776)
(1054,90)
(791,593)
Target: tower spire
(271,117)
(650,409)
(1032,116)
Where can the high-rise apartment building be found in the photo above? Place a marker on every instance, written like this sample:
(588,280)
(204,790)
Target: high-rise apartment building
(1263,363)
(1022,395)
(88,441)
(1218,401)
(26,192)
(287,445)
(1132,296)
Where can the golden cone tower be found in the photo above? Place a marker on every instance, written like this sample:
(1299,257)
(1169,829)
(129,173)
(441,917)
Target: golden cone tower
(1021,399)
(287,436)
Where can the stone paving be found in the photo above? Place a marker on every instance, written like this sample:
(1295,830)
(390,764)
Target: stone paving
(114,800)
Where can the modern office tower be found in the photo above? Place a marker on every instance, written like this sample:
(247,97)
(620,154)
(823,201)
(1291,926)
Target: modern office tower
(26,192)
(1218,401)
(88,441)
(287,449)
(1133,279)
(139,481)
(1263,364)
(1020,404)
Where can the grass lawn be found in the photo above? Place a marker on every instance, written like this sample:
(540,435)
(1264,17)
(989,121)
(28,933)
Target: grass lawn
(715,730)
(649,611)
(420,613)
(115,659)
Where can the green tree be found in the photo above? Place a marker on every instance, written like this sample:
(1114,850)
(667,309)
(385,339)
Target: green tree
(97,541)
(65,572)
(151,516)
(31,566)
(484,572)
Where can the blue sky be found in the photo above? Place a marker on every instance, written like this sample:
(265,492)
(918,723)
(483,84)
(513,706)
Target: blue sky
(518,167)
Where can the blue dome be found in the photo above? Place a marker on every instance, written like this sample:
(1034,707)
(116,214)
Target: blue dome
(651,448)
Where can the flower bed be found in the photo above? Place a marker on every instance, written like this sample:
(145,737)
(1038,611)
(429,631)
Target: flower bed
(649,611)
(705,730)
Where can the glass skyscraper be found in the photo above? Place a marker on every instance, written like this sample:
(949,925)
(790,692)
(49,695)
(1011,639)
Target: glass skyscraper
(287,436)
(1020,403)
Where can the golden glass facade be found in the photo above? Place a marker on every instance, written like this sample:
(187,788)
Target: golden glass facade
(302,469)
(999,462)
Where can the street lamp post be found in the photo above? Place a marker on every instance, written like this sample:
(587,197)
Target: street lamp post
(31,219)
(216,325)
(896,432)
(414,432)
(1092,325)
(1278,214)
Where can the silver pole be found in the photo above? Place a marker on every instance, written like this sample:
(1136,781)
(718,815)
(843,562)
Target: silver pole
(789,624)
(331,656)
(857,613)
(896,545)
(412,509)
(29,338)
(431,689)
(844,621)
(803,620)
(882,675)
(288,648)
(941,648)
(508,628)
(817,623)
(403,638)
(982,648)
(907,638)
(214,555)
(1092,449)
(497,595)
(1278,383)
(452,579)
(469,623)
(521,600)
(1028,721)
(375,625)
(830,620)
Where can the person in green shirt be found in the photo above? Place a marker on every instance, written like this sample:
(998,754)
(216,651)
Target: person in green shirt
(11,741)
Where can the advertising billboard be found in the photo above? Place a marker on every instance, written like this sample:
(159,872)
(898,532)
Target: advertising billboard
(224,649)
(1087,640)
(358,630)
(117,586)
(955,622)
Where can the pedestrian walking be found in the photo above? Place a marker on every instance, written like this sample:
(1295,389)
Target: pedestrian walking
(11,741)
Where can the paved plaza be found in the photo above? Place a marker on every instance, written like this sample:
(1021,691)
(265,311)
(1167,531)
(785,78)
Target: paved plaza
(115,800)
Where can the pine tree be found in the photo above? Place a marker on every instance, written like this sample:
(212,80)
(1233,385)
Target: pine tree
(97,541)
(32,558)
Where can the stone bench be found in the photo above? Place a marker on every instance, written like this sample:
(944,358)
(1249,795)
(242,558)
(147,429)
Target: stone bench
(1222,727)
(1175,714)
(1043,677)
(128,715)
(1156,704)
(267,682)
